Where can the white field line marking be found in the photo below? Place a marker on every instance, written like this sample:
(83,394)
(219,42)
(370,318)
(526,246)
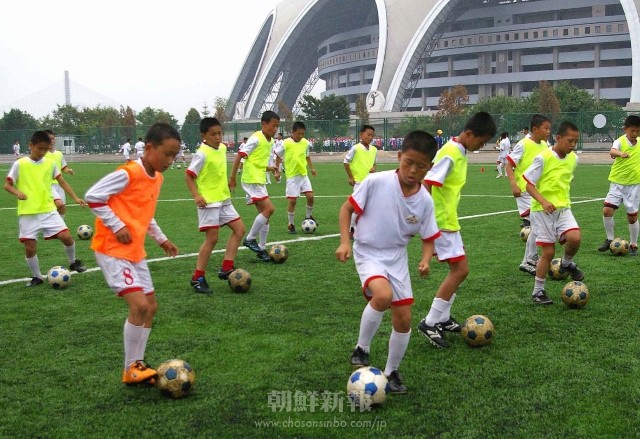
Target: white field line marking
(288,241)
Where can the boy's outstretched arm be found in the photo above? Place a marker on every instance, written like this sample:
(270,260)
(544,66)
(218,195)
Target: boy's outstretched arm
(343,252)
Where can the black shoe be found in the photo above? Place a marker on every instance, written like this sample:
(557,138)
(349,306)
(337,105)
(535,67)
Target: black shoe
(201,286)
(224,274)
(434,334)
(359,357)
(292,229)
(541,298)
(252,245)
(263,255)
(527,267)
(525,223)
(395,383)
(574,271)
(313,219)
(604,246)
(77,266)
(450,325)
(35,281)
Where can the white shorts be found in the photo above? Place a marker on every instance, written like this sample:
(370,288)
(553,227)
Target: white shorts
(550,228)
(256,192)
(298,184)
(390,264)
(627,194)
(502,160)
(139,154)
(524,204)
(50,224)
(215,217)
(59,193)
(124,276)
(449,247)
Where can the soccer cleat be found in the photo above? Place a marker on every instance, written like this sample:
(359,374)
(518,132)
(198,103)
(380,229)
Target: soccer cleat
(137,373)
(291,228)
(77,266)
(263,255)
(604,246)
(498,176)
(574,271)
(201,286)
(527,267)
(313,219)
(633,250)
(450,325)
(359,357)
(35,281)
(252,245)
(525,223)
(434,334)
(395,383)
(541,298)
(224,274)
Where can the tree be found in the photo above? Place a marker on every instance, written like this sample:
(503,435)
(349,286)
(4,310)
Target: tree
(220,105)
(17,120)
(65,119)
(361,109)
(548,101)
(453,101)
(190,130)
(333,110)
(129,123)
(148,116)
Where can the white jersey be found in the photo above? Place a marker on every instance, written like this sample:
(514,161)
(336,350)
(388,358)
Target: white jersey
(16,149)
(504,148)
(126,149)
(139,146)
(387,218)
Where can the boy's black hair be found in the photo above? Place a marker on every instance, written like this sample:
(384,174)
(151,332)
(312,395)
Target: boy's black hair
(40,137)
(525,128)
(268,116)
(632,121)
(207,123)
(50,132)
(298,126)
(159,132)
(537,120)
(564,127)
(504,134)
(481,124)
(366,127)
(422,142)
(245,139)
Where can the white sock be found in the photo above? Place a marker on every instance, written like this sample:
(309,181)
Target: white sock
(633,233)
(71,252)
(309,211)
(34,266)
(531,248)
(609,227)
(291,216)
(260,221)
(142,343)
(500,169)
(132,337)
(538,286)
(398,343)
(369,323)
(435,313)
(446,313)
(264,232)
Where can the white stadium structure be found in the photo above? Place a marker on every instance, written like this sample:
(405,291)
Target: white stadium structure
(401,54)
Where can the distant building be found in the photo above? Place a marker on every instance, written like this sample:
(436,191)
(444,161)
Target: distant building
(66,143)
(402,54)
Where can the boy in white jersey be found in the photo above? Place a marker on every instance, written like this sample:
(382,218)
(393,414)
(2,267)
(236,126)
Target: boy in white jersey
(295,153)
(138,147)
(181,156)
(360,161)
(206,179)
(625,184)
(517,162)
(126,150)
(59,196)
(256,154)
(504,148)
(16,149)
(29,179)
(445,181)
(549,181)
(393,206)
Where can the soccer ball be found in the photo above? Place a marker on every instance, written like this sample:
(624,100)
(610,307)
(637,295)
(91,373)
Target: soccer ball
(58,277)
(575,295)
(175,378)
(478,330)
(278,253)
(555,272)
(367,386)
(524,233)
(619,247)
(240,281)
(309,226)
(85,232)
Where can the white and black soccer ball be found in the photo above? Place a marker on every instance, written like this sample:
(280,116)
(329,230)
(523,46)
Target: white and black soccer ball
(309,226)
(58,277)
(367,386)
(85,232)
(176,378)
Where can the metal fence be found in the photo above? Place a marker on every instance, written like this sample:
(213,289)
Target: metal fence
(598,131)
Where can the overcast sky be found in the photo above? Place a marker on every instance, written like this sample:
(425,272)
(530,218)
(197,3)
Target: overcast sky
(169,55)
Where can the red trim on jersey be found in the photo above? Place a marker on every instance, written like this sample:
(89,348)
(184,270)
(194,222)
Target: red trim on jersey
(366,284)
(129,290)
(191,173)
(510,160)
(243,154)
(355,205)
(402,302)
(433,183)
(96,205)
(610,205)
(525,213)
(56,235)
(452,260)
(525,179)
(205,228)
(433,238)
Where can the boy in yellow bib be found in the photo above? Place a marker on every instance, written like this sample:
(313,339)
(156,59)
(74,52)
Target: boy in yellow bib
(549,182)
(360,161)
